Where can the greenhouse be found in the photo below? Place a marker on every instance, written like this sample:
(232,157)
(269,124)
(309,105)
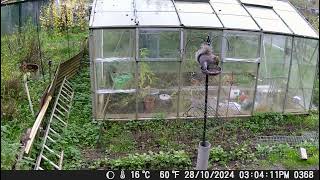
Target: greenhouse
(142,58)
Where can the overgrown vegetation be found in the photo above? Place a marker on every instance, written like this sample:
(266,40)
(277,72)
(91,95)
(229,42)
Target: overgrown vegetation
(161,160)
(36,45)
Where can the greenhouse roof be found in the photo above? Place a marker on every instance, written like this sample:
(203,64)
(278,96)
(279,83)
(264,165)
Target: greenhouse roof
(271,16)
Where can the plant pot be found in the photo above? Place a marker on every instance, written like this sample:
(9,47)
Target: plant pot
(32,68)
(149,102)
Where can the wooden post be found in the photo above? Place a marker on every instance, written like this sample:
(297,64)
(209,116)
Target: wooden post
(25,79)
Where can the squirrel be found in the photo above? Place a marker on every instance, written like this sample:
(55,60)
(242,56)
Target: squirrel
(207,59)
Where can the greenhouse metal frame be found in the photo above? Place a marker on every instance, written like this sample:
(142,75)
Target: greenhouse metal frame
(261,29)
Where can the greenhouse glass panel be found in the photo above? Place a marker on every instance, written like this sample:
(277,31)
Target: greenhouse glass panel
(116,43)
(281,5)
(273,73)
(97,46)
(242,46)
(237,89)
(315,93)
(166,19)
(191,73)
(194,39)
(229,22)
(195,14)
(159,45)
(116,106)
(112,19)
(201,20)
(158,89)
(302,74)
(229,12)
(193,7)
(234,9)
(297,23)
(268,20)
(226,1)
(192,96)
(114,5)
(115,75)
(154,5)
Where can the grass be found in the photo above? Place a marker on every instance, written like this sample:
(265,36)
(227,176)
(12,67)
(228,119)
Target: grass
(288,157)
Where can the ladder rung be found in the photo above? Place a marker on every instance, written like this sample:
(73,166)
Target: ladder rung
(68,83)
(50,129)
(57,117)
(52,140)
(62,107)
(49,161)
(65,103)
(66,90)
(58,126)
(51,151)
(67,87)
(65,97)
(60,112)
(67,93)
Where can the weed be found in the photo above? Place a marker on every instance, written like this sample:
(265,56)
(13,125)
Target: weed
(217,154)
(161,160)
(242,153)
(262,150)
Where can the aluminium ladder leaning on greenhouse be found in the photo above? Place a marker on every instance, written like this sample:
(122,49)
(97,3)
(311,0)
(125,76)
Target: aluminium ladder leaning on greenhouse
(55,127)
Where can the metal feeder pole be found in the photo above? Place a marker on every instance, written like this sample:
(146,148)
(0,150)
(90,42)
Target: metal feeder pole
(205,111)
(204,146)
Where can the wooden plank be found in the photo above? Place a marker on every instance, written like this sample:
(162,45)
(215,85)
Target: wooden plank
(37,124)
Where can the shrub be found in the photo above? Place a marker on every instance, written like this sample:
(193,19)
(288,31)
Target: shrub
(263,121)
(262,150)
(242,153)
(8,109)
(8,150)
(217,154)
(12,87)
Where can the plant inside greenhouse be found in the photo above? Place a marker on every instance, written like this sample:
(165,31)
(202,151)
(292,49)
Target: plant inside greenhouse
(137,84)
